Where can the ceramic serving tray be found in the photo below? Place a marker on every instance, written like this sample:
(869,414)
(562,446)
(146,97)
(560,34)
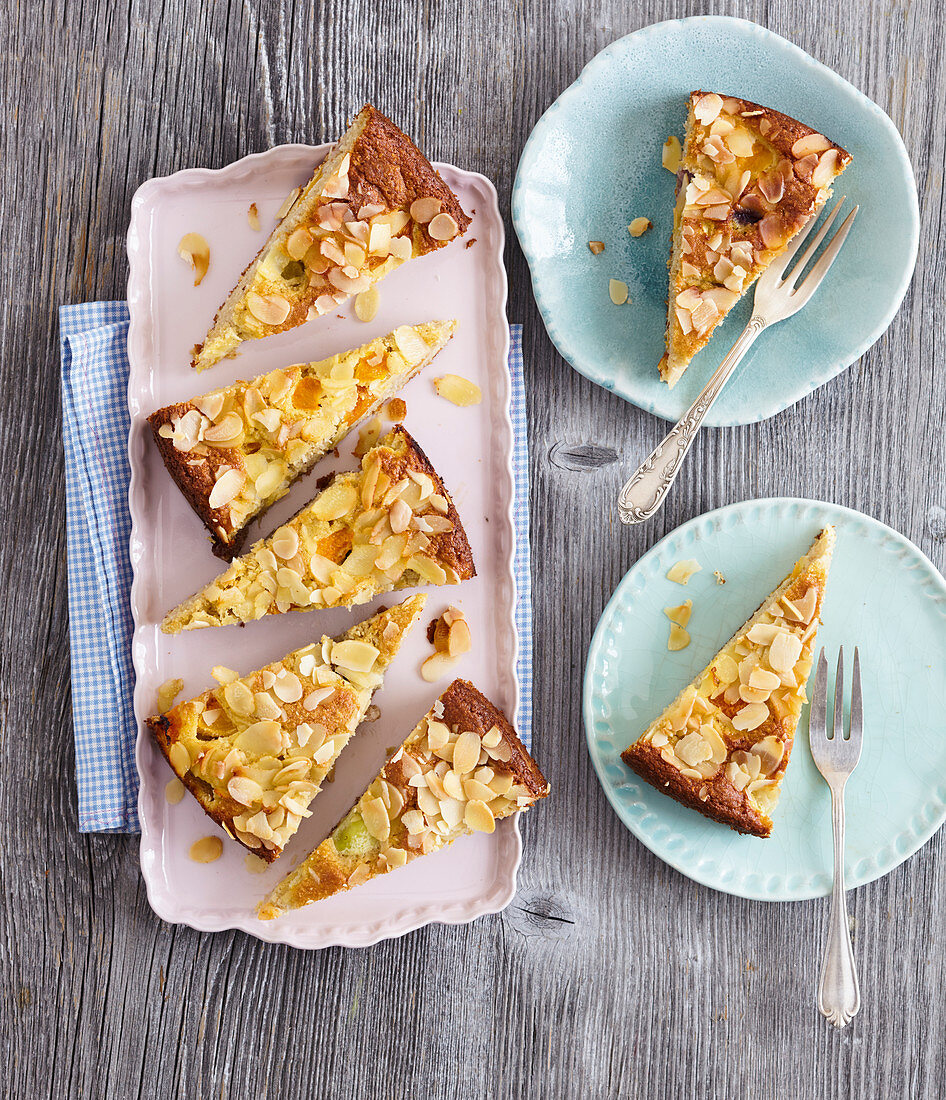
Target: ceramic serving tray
(883,596)
(470,447)
(593,163)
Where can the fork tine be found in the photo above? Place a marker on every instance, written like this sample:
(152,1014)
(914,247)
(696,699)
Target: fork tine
(838,728)
(857,709)
(810,284)
(776,268)
(818,714)
(819,237)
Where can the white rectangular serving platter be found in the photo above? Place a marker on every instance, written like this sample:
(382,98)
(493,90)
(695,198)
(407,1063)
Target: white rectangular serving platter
(171,558)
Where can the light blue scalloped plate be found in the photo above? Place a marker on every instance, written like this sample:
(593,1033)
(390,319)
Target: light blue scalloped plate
(883,595)
(592,163)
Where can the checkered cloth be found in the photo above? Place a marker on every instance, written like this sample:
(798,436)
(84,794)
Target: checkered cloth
(94,341)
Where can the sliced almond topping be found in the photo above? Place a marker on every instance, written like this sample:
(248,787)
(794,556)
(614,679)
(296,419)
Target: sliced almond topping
(460,391)
(707,108)
(810,143)
(740,142)
(764,633)
(288,686)
(226,488)
(617,291)
(681,571)
(285,543)
(784,652)
(244,790)
(479,817)
(355,655)
(194,249)
(770,751)
(763,680)
(271,309)
(827,168)
(751,716)
(466,753)
(442,228)
(423,209)
(260,739)
(375,816)
(178,757)
(207,849)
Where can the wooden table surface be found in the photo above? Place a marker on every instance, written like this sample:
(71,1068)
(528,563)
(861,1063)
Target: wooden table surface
(610,974)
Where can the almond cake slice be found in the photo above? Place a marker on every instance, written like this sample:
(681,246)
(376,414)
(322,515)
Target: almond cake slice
(373,203)
(255,750)
(237,450)
(460,770)
(722,746)
(387,526)
(749,178)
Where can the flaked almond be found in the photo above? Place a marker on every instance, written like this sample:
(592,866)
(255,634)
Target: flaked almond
(354,655)
(617,291)
(459,639)
(285,543)
(680,614)
(194,248)
(707,108)
(179,758)
(436,667)
(479,817)
(442,228)
(367,437)
(167,693)
(424,209)
(740,142)
(366,304)
(287,202)
(597,247)
(261,738)
(810,143)
(226,488)
(784,652)
(298,243)
(271,309)
(466,753)
(679,638)
(207,849)
(460,391)
(174,791)
(751,716)
(244,790)
(229,429)
(254,864)
(670,156)
(827,168)
(252,216)
(681,571)
(639,227)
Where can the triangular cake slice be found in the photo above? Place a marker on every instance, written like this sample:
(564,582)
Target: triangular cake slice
(749,178)
(255,750)
(236,451)
(373,203)
(722,746)
(460,770)
(387,526)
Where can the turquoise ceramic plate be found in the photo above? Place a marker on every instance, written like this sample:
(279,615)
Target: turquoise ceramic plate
(883,595)
(592,164)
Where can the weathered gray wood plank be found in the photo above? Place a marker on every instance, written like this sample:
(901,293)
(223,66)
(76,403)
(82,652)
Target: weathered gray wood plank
(610,975)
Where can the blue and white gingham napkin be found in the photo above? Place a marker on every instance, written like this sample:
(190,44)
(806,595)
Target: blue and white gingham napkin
(94,341)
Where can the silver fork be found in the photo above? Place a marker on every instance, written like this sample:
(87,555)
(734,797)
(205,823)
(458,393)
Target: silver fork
(775,299)
(839,994)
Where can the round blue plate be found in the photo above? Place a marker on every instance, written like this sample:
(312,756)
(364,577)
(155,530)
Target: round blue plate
(592,164)
(883,595)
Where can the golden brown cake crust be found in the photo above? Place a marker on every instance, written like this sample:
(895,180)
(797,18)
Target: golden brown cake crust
(452,547)
(717,797)
(197,482)
(387,167)
(326,871)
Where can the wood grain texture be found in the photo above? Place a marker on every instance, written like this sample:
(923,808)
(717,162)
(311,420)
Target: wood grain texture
(610,974)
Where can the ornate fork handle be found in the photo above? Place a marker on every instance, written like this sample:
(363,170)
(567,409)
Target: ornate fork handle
(643,494)
(839,994)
